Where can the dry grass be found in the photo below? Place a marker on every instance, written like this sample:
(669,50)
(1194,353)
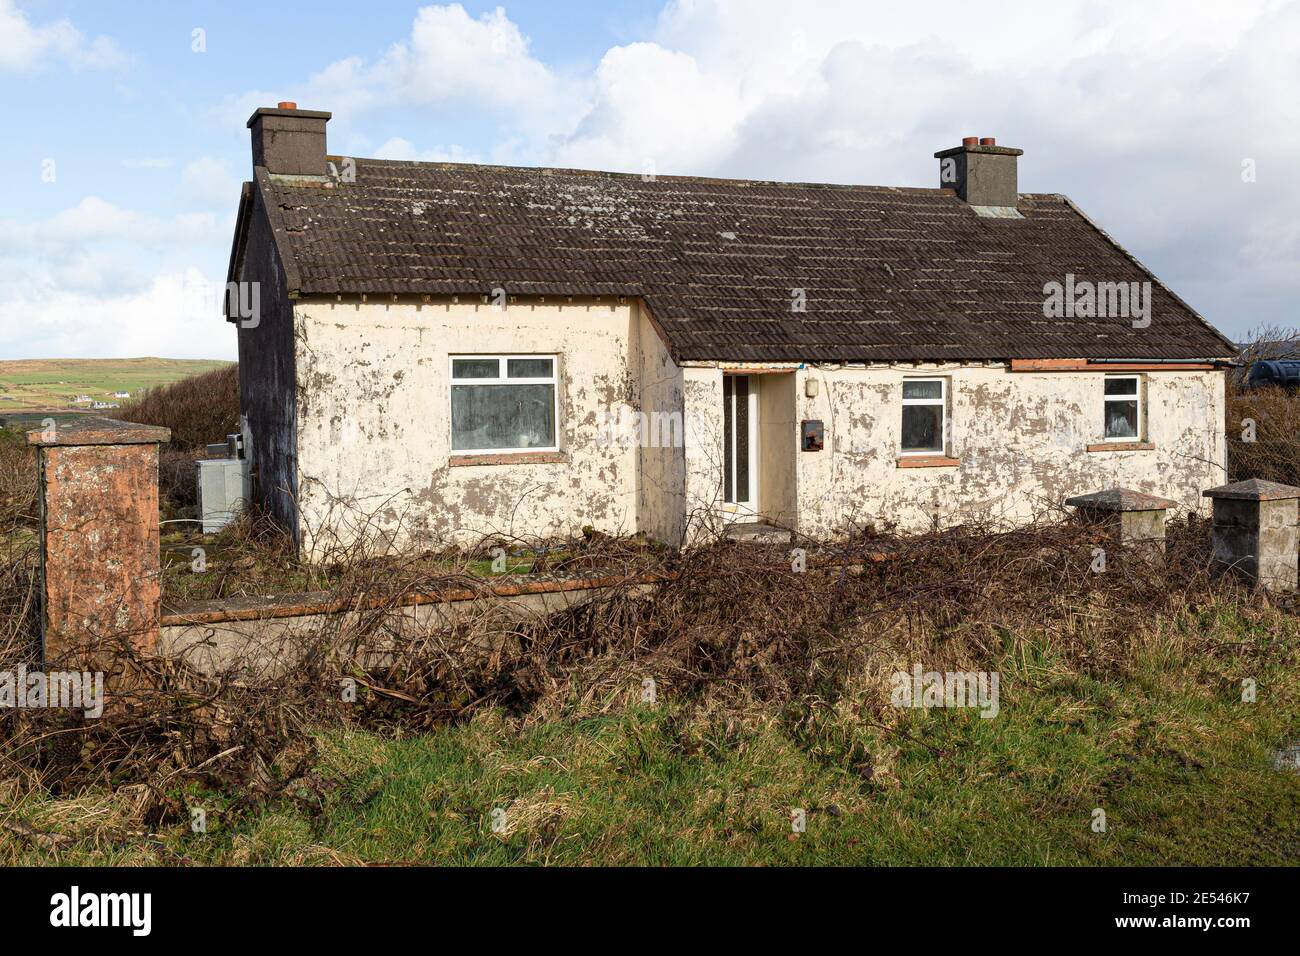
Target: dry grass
(1263,429)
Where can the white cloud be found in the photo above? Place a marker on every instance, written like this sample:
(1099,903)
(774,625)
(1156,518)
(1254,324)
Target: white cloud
(451,56)
(403,150)
(25,47)
(655,106)
(96,279)
(176,315)
(210,181)
(450,61)
(96,220)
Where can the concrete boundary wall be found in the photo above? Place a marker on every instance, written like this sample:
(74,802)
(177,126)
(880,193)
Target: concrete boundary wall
(267,635)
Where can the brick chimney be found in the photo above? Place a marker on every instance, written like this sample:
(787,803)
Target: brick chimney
(289,141)
(982,172)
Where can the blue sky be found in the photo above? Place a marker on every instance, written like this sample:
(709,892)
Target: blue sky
(126,147)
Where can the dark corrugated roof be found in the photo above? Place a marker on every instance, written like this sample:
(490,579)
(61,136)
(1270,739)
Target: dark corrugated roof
(888,273)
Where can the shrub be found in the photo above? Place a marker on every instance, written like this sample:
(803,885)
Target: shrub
(19,521)
(178,481)
(1262,427)
(18,504)
(199,409)
(1262,423)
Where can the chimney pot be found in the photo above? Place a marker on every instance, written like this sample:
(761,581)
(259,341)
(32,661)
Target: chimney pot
(288,141)
(286,105)
(970,141)
(988,141)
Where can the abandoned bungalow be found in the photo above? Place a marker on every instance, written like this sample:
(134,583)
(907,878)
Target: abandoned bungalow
(435,351)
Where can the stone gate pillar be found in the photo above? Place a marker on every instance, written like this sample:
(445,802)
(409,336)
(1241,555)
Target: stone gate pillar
(99,540)
(1134,519)
(1255,532)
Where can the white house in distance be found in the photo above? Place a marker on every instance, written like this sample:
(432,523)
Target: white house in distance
(436,351)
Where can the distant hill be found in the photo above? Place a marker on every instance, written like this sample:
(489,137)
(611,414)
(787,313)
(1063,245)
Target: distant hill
(55,384)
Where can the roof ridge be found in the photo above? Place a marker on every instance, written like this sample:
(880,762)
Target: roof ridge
(616,174)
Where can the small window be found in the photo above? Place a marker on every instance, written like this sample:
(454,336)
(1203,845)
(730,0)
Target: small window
(503,403)
(1123,408)
(925,407)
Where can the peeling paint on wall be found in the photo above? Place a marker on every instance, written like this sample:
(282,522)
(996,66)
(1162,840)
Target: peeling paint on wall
(1021,439)
(372,446)
(374,432)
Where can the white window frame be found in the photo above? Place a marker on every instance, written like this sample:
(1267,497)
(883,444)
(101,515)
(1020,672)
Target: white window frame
(502,358)
(1136,397)
(941,401)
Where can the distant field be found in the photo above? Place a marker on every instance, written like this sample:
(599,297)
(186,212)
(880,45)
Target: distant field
(40,384)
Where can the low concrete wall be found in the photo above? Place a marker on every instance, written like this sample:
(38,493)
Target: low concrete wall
(266,636)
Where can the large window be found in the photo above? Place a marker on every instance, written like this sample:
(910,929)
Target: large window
(925,405)
(503,403)
(1123,408)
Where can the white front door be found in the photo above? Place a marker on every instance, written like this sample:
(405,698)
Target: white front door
(740,441)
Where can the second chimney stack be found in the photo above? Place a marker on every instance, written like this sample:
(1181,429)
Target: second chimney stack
(289,141)
(983,173)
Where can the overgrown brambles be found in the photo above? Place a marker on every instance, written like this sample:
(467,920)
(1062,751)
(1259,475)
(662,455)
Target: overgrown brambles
(19,529)
(729,623)
(1263,429)
(198,410)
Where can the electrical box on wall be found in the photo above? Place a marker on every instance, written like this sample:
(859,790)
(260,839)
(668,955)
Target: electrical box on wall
(810,436)
(223,491)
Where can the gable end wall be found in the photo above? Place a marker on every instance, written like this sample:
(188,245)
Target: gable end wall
(267,376)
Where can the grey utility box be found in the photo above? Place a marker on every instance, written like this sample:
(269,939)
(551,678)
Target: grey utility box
(223,491)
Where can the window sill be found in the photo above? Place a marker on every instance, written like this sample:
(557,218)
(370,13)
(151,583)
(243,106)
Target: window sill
(1122,446)
(927,461)
(508,458)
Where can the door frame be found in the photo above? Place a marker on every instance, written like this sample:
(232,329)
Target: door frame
(745,508)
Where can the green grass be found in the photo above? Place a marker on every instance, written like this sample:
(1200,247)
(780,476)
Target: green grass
(30,384)
(1181,766)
